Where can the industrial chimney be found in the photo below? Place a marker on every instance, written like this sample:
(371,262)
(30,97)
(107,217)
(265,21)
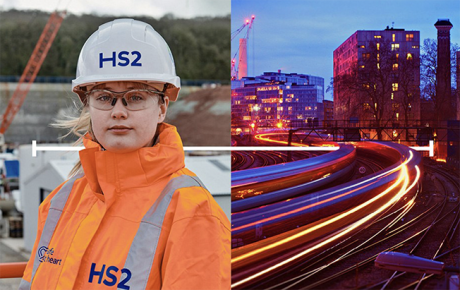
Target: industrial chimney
(443,74)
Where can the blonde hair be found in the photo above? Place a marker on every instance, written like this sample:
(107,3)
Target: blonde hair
(78,126)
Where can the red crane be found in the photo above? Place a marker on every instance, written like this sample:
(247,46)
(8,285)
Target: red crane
(32,68)
(234,70)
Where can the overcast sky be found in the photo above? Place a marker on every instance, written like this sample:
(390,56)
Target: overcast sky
(154,8)
(300,36)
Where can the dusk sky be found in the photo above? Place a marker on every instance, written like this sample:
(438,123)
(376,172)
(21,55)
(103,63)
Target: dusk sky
(299,36)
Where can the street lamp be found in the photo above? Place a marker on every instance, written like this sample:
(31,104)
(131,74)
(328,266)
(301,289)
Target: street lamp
(409,263)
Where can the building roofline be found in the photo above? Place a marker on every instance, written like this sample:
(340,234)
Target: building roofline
(443,22)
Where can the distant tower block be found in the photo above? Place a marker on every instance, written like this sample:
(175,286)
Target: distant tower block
(443,75)
(243,62)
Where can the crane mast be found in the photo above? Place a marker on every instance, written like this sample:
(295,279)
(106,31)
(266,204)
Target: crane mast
(30,72)
(242,63)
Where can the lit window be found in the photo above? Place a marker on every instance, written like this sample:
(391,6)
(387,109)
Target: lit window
(409,56)
(377,36)
(366,106)
(289,108)
(409,37)
(397,56)
(366,55)
(362,66)
(394,87)
(378,65)
(397,116)
(392,96)
(395,46)
(378,56)
(414,46)
(393,37)
(395,66)
(362,46)
(378,46)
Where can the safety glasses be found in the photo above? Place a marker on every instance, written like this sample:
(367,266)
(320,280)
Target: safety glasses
(133,100)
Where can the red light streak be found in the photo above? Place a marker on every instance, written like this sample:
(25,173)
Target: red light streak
(403,178)
(298,209)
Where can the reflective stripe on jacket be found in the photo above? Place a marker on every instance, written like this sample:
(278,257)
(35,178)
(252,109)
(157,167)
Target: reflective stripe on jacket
(134,221)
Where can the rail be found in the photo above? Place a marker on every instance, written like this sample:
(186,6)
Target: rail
(12,270)
(289,230)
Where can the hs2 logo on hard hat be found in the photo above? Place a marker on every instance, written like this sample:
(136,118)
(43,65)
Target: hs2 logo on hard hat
(44,256)
(109,273)
(124,58)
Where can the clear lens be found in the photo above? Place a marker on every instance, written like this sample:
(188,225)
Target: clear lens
(135,99)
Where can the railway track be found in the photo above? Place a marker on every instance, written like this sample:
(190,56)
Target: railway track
(412,229)
(242,160)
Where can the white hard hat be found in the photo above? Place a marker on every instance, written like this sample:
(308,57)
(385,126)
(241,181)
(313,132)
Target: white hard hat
(126,50)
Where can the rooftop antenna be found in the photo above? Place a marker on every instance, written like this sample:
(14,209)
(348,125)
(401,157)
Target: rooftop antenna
(392,24)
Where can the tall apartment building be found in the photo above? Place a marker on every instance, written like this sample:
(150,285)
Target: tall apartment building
(277,99)
(377,79)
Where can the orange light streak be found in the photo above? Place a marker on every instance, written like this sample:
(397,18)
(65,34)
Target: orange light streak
(407,206)
(330,193)
(298,209)
(403,177)
(309,230)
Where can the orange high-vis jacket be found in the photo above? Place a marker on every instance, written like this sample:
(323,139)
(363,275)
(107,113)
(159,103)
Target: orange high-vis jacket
(138,220)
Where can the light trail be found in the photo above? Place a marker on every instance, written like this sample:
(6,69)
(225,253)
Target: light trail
(429,148)
(406,207)
(351,187)
(403,177)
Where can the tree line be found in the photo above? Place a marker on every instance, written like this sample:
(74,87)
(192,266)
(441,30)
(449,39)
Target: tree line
(200,46)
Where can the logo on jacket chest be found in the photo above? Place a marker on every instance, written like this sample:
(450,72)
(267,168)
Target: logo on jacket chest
(45,255)
(107,275)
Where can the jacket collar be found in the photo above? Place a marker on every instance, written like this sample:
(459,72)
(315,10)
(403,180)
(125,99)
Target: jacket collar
(110,173)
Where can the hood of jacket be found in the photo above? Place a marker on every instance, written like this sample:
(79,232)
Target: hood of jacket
(111,172)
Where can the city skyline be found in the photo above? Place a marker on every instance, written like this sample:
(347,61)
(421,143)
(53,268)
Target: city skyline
(294,46)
